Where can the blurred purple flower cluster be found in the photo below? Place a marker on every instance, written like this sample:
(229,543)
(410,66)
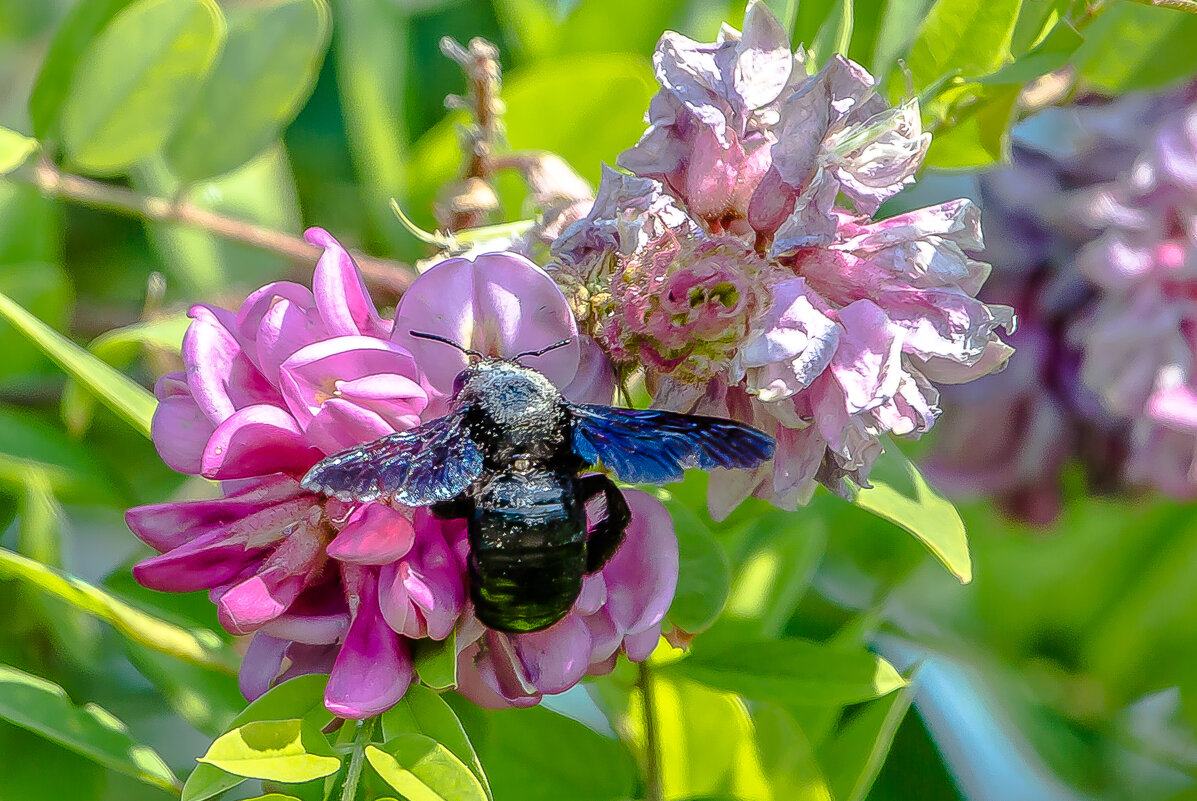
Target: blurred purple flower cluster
(1092,234)
(296,374)
(726,266)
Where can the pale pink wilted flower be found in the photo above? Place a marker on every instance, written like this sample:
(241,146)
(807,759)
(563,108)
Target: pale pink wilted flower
(346,588)
(851,320)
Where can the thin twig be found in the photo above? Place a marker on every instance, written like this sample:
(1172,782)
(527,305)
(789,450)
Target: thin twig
(364,730)
(654,790)
(470,202)
(385,274)
(1180,5)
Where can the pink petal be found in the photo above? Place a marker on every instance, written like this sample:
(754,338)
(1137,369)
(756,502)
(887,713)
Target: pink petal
(257,440)
(375,534)
(642,575)
(502,304)
(373,669)
(261,664)
(555,659)
(340,291)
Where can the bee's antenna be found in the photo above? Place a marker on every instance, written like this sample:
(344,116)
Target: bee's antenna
(447,341)
(543,351)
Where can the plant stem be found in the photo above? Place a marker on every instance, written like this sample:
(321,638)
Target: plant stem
(364,730)
(386,274)
(652,747)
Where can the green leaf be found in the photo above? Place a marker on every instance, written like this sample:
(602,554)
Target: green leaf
(422,711)
(116,390)
(136,79)
(30,447)
(853,758)
(290,751)
(704,575)
(901,495)
(273,797)
(27,778)
(790,670)
(118,348)
(197,646)
(82,23)
(896,32)
(422,769)
(436,661)
(976,133)
(1132,46)
(15,150)
(44,708)
(1048,56)
(787,757)
(266,71)
(835,34)
(537,755)
(962,37)
(302,696)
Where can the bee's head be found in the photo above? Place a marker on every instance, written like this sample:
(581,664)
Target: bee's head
(480,362)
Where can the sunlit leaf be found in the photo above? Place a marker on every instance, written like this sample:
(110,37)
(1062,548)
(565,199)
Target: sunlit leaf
(1133,46)
(968,38)
(267,69)
(197,646)
(116,390)
(289,751)
(422,769)
(15,149)
(137,78)
(835,34)
(1048,56)
(119,347)
(787,757)
(901,495)
(896,32)
(302,696)
(422,711)
(789,670)
(44,708)
(82,23)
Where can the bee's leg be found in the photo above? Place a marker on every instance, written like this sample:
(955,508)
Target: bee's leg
(459,507)
(607,534)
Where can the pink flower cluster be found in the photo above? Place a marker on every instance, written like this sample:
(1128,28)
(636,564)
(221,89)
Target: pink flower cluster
(324,586)
(725,267)
(1092,238)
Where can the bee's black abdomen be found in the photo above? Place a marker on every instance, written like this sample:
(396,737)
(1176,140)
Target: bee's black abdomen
(528,590)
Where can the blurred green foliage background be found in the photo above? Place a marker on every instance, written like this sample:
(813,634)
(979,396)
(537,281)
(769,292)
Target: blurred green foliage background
(1065,670)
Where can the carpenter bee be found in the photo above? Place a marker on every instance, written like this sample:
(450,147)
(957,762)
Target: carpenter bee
(507,458)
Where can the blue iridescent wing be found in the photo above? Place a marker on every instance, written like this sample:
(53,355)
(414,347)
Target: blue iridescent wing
(434,462)
(652,446)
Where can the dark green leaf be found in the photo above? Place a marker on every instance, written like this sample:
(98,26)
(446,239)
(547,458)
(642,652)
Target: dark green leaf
(422,711)
(969,38)
(83,22)
(901,495)
(704,575)
(538,755)
(291,751)
(853,758)
(30,447)
(116,390)
(790,670)
(436,662)
(265,72)
(43,707)
(422,769)
(302,696)
(45,771)
(136,79)
(1134,46)
(15,150)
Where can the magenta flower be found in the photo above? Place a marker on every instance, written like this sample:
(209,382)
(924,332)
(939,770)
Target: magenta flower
(724,269)
(328,586)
